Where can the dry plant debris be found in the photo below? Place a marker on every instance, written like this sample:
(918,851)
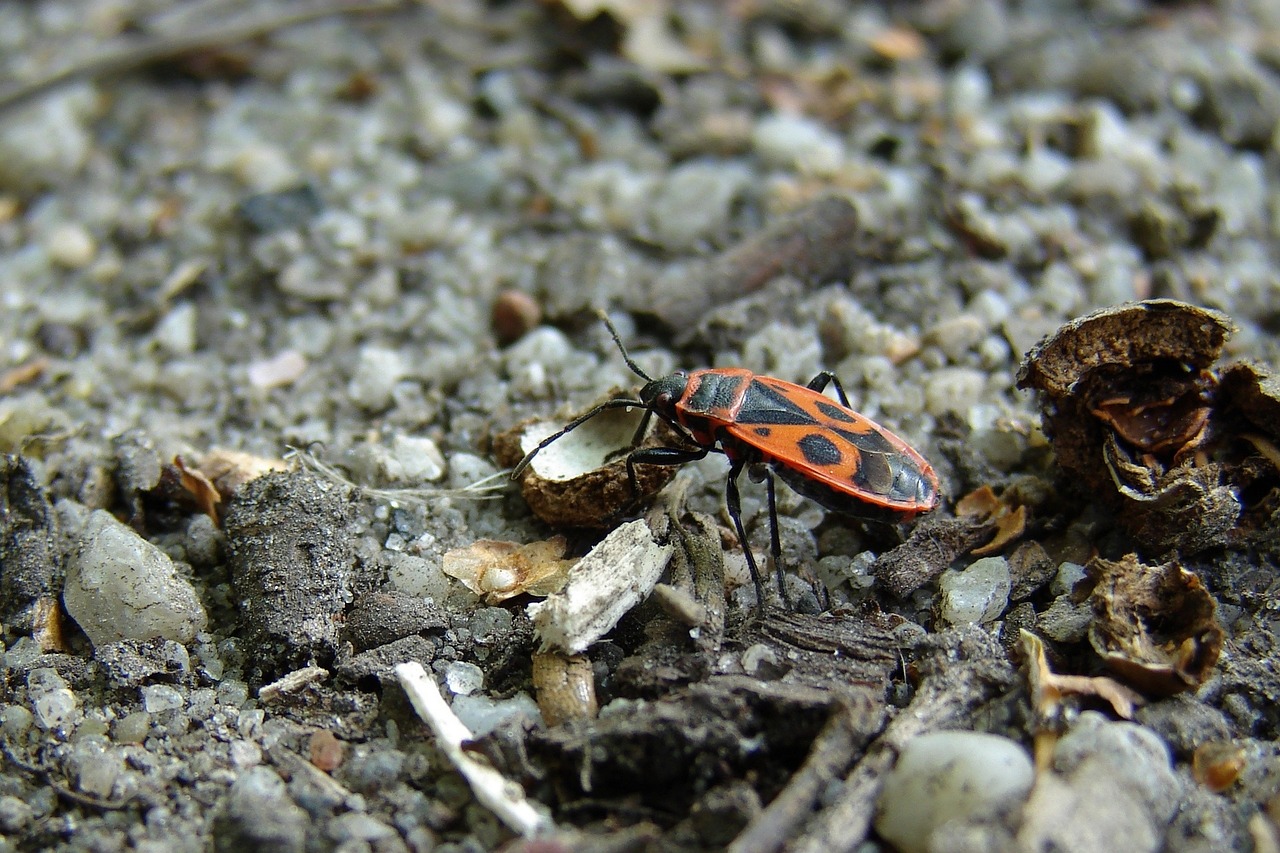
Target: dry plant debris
(500,570)
(1154,625)
(501,796)
(612,578)
(1136,412)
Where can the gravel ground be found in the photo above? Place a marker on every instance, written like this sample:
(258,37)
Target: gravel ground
(378,237)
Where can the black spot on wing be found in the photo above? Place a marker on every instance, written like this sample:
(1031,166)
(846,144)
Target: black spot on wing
(763,432)
(819,450)
(764,405)
(836,413)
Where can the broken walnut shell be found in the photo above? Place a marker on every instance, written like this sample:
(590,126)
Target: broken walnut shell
(1154,626)
(580,480)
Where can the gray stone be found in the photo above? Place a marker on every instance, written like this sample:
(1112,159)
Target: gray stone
(121,587)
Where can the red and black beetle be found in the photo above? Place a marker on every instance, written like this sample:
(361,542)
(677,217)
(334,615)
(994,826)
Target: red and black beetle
(825,451)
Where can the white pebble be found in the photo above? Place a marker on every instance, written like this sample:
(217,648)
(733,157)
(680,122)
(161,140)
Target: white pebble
(796,142)
(419,458)
(944,776)
(279,370)
(176,331)
(953,389)
(161,697)
(375,377)
(70,245)
(51,698)
(47,142)
(417,576)
(264,168)
(977,594)
(463,678)
(481,715)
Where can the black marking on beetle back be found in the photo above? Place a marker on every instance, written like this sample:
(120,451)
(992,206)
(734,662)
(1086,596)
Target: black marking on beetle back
(870,442)
(713,394)
(764,405)
(763,432)
(819,450)
(836,413)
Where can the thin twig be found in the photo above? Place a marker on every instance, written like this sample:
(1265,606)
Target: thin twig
(830,755)
(497,793)
(125,55)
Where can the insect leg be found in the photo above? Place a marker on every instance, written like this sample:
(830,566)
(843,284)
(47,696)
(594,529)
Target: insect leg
(775,542)
(659,456)
(642,429)
(733,501)
(819,383)
(570,427)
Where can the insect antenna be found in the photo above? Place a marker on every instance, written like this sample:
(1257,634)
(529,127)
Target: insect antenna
(570,427)
(617,339)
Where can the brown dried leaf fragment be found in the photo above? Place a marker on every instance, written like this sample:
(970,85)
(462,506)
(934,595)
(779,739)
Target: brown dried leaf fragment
(1010,522)
(500,570)
(1154,626)
(1048,690)
(228,470)
(201,488)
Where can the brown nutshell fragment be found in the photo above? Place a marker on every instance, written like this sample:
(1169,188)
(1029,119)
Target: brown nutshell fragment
(1157,329)
(1130,407)
(580,480)
(1154,626)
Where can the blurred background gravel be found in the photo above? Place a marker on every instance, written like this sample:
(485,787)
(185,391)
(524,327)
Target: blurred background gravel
(380,235)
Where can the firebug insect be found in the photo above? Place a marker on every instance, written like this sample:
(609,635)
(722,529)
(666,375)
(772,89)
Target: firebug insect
(823,450)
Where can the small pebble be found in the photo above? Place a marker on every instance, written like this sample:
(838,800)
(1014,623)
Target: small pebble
(326,750)
(797,142)
(977,594)
(481,715)
(947,775)
(133,728)
(515,314)
(953,389)
(70,245)
(463,678)
(157,698)
(176,332)
(279,370)
(1065,621)
(376,373)
(51,698)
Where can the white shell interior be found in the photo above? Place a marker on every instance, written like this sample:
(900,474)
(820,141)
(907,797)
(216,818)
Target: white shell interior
(583,450)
